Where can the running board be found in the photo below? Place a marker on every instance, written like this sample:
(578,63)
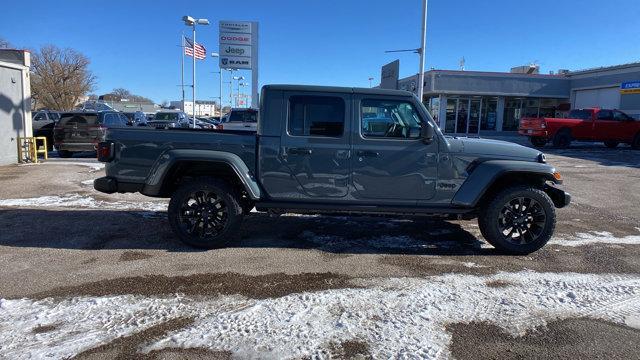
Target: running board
(311,208)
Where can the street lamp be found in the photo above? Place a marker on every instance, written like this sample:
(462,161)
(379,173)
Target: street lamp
(215,55)
(238,78)
(370,80)
(190,21)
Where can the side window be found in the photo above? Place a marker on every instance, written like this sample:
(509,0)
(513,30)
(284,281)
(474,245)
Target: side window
(620,116)
(110,119)
(40,116)
(316,116)
(389,119)
(605,115)
(124,120)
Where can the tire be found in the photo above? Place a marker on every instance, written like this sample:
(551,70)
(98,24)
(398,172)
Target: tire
(635,144)
(611,144)
(562,139)
(538,141)
(221,223)
(495,217)
(65,153)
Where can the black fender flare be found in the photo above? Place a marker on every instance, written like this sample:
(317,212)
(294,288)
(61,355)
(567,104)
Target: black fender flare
(163,165)
(488,172)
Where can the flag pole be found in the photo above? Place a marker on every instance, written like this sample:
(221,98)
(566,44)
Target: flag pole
(182,65)
(194,75)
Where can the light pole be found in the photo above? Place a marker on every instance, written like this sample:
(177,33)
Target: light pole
(370,80)
(190,21)
(215,55)
(423,45)
(240,95)
(238,78)
(421,51)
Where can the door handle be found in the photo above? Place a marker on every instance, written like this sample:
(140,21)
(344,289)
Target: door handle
(299,151)
(367,153)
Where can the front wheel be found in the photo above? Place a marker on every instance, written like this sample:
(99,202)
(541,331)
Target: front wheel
(205,213)
(518,220)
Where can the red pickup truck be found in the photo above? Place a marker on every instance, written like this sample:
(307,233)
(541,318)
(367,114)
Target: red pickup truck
(610,126)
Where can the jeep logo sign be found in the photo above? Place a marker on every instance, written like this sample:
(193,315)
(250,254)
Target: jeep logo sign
(236,50)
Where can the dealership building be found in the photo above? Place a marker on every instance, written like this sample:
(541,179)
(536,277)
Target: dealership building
(477,102)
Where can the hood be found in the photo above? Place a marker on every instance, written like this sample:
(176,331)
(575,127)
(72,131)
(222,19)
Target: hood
(494,149)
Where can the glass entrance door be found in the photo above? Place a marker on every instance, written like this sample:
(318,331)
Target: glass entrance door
(475,108)
(462,116)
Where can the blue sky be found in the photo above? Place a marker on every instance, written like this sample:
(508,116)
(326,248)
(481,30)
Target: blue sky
(132,44)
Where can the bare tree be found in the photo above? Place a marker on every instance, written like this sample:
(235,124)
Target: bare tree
(60,77)
(126,94)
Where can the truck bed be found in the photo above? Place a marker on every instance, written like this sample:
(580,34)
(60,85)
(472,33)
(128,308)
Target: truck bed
(141,149)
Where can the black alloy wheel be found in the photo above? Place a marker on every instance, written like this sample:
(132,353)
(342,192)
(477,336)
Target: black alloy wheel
(518,220)
(205,213)
(522,220)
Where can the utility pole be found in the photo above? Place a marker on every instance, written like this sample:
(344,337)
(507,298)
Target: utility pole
(422,51)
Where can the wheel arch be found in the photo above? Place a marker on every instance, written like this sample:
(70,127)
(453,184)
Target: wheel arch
(176,166)
(491,176)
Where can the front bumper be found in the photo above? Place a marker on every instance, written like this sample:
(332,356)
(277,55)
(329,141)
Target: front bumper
(559,197)
(532,132)
(109,185)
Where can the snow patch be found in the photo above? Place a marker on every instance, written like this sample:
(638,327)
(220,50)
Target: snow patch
(95,166)
(596,237)
(79,201)
(397,317)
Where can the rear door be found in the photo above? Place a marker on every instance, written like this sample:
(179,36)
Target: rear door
(605,126)
(315,144)
(390,163)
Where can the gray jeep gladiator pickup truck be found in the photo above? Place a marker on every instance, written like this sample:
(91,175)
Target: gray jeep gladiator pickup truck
(336,150)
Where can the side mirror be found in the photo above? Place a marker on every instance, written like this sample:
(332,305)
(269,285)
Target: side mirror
(427,133)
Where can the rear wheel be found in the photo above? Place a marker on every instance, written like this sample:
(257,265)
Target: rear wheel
(65,153)
(562,139)
(205,213)
(518,220)
(538,141)
(611,144)
(635,144)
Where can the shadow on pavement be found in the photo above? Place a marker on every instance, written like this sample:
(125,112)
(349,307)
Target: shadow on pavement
(97,230)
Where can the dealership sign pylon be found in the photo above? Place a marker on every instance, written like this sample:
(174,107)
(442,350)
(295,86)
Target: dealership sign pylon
(239,50)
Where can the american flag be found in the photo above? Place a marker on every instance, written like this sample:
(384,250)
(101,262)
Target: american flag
(201,52)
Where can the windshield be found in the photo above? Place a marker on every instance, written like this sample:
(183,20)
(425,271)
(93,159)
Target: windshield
(244,116)
(580,114)
(167,116)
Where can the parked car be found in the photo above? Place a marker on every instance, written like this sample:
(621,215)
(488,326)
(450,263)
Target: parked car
(243,119)
(42,123)
(136,118)
(169,119)
(78,131)
(312,155)
(594,124)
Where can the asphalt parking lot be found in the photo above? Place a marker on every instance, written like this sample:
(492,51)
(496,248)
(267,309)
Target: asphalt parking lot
(90,275)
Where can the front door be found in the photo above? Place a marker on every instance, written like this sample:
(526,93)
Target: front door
(389,161)
(315,144)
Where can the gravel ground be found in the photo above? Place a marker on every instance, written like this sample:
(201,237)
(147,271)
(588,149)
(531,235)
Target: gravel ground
(101,276)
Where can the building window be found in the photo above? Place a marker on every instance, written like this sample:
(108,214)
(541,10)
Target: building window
(316,116)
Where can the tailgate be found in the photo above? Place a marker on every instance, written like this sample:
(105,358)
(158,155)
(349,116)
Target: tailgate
(531,124)
(79,128)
